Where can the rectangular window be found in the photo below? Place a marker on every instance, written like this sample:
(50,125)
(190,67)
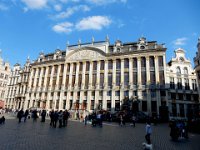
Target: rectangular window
(135,78)
(126,63)
(144,105)
(118,64)
(87,66)
(108,105)
(126,93)
(94,65)
(161,76)
(151,61)
(126,79)
(143,77)
(152,77)
(81,66)
(118,79)
(134,63)
(110,64)
(102,65)
(108,93)
(101,79)
(117,93)
(110,79)
(94,79)
(73,80)
(117,105)
(74,67)
(154,106)
(86,80)
(67,80)
(92,105)
(160,61)
(79,80)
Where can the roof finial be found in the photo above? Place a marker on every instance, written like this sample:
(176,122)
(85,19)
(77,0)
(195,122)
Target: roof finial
(107,38)
(92,39)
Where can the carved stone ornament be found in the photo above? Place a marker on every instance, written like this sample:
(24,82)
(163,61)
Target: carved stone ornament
(85,55)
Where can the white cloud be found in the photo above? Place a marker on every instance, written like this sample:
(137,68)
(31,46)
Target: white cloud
(93,23)
(71,10)
(180,41)
(65,27)
(3,7)
(35,4)
(58,7)
(104,2)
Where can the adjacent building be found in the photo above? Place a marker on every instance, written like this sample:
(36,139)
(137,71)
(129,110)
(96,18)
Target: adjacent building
(181,84)
(4,75)
(17,86)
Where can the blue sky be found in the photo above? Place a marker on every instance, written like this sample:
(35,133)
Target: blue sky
(28,27)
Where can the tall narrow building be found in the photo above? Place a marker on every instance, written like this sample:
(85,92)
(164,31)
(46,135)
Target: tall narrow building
(4,76)
(182,88)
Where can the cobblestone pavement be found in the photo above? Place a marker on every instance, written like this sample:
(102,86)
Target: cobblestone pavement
(40,136)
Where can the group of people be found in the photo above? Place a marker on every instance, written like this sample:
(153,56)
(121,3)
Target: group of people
(21,114)
(59,116)
(2,120)
(179,129)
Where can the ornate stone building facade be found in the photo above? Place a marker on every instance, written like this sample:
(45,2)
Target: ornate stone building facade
(17,86)
(99,75)
(181,82)
(4,75)
(197,62)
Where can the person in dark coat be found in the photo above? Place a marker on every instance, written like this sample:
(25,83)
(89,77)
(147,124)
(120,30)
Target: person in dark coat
(2,120)
(65,118)
(26,115)
(52,113)
(60,118)
(43,115)
(20,115)
(35,116)
(55,119)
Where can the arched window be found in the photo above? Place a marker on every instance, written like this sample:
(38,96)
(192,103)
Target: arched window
(185,70)
(178,70)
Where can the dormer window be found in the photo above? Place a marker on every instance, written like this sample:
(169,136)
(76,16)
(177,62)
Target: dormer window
(181,59)
(118,49)
(142,47)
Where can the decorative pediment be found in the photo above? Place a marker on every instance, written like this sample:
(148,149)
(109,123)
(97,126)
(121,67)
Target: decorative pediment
(86,54)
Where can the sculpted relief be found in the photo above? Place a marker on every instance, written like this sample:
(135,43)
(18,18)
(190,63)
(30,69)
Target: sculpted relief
(85,55)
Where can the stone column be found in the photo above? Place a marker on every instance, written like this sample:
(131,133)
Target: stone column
(148,83)
(139,87)
(113,86)
(70,75)
(158,98)
(76,77)
(105,85)
(90,86)
(122,80)
(40,78)
(130,77)
(97,85)
(35,79)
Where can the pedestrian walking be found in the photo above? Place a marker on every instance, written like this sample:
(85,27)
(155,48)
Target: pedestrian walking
(148,132)
(60,118)
(85,120)
(55,119)
(20,115)
(52,115)
(133,120)
(26,115)
(43,115)
(120,120)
